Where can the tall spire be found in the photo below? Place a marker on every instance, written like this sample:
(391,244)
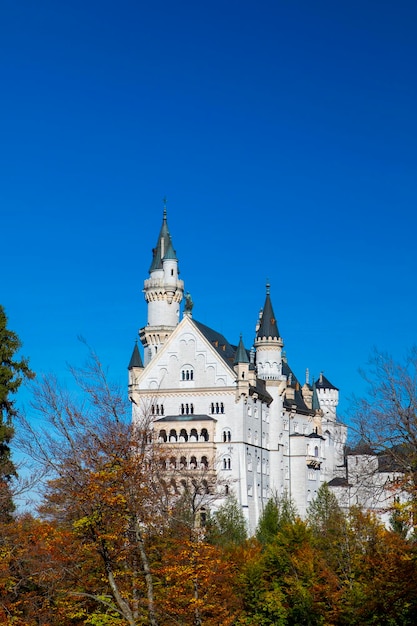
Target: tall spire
(163,292)
(268,324)
(163,245)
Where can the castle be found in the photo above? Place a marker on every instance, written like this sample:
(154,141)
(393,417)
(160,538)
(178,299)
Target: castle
(242,413)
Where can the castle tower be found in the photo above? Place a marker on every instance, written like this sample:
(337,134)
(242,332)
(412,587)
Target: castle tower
(241,367)
(268,343)
(163,292)
(328,396)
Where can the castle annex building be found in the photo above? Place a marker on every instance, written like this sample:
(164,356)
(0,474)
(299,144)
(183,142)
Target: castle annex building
(217,405)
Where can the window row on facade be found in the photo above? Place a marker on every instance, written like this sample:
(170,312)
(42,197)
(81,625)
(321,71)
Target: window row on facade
(255,439)
(254,412)
(182,463)
(183,435)
(265,491)
(187,408)
(260,465)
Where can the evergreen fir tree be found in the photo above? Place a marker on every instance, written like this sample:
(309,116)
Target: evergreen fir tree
(12,373)
(227,526)
(277,513)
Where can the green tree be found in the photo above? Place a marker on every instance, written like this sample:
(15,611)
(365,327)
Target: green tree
(277,513)
(12,373)
(284,584)
(227,526)
(329,526)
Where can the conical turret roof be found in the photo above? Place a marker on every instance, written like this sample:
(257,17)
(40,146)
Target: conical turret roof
(163,247)
(268,325)
(241,354)
(170,252)
(135,360)
(324,383)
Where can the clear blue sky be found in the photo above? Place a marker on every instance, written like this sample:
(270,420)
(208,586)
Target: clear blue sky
(284,136)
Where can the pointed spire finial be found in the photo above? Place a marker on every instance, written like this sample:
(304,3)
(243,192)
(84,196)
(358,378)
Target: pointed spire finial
(267,287)
(164,200)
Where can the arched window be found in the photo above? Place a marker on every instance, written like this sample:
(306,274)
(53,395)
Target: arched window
(191,409)
(221,407)
(193,462)
(204,462)
(183,462)
(227,463)
(173,462)
(316,451)
(173,435)
(204,434)
(187,373)
(212,407)
(162,436)
(193,435)
(183,435)
(226,490)
(227,435)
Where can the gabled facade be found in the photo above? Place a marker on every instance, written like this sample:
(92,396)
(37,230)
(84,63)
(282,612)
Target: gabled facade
(214,404)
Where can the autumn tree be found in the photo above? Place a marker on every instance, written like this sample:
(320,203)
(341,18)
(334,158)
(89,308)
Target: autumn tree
(382,584)
(110,485)
(103,484)
(13,370)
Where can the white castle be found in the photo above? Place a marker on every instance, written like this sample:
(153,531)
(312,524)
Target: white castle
(244,414)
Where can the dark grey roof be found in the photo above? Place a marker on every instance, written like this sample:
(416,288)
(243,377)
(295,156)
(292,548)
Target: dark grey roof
(226,350)
(388,463)
(324,383)
(186,418)
(268,326)
(338,482)
(170,252)
(135,360)
(315,400)
(298,396)
(241,354)
(260,390)
(362,447)
(315,436)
